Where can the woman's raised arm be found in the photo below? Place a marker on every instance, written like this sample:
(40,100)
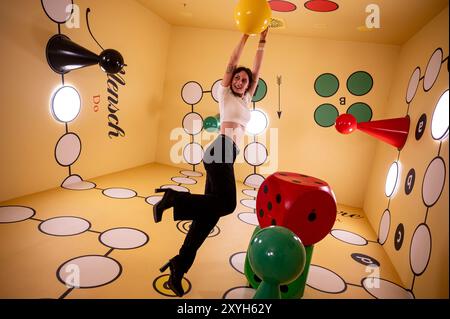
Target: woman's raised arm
(258,61)
(234,59)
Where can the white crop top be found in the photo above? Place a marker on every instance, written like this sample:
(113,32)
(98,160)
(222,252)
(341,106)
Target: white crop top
(233,108)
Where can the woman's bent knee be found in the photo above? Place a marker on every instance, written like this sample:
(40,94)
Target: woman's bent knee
(229,207)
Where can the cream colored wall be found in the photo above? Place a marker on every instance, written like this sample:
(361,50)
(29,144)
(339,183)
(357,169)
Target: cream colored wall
(343,161)
(27,129)
(410,210)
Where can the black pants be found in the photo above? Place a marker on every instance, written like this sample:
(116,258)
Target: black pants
(219,198)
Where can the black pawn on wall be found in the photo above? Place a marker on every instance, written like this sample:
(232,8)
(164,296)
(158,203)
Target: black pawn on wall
(63,56)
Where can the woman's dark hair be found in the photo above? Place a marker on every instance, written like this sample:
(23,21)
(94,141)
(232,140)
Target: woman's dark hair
(249,73)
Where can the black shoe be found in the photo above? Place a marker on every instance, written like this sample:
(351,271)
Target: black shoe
(166,202)
(176,276)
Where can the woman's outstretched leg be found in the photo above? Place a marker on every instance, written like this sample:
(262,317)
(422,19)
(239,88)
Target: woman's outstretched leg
(198,232)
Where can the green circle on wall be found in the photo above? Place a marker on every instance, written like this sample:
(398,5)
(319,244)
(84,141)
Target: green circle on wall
(326,85)
(361,111)
(261,91)
(360,83)
(326,115)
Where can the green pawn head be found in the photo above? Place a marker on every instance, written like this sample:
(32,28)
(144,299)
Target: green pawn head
(277,255)
(211,124)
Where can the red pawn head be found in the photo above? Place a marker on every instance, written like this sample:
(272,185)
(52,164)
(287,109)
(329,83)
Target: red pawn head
(346,124)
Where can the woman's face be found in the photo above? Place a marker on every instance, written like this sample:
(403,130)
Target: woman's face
(240,83)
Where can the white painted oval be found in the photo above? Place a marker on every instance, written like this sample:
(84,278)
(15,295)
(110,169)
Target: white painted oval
(439,121)
(89,271)
(254,180)
(119,193)
(383,229)
(192,93)
(14,214)
(58,10)
(383,289)
(64,226)
(192,123)
(255,154)
(184,180)
(432,71)
(413,85)
(249,218)
(68,149)
(193,153)
(433,182)
(348,237)
(420,249)
(325,280)
(123,238)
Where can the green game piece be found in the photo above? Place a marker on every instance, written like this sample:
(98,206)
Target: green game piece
(277,256)
(326,85)
(360,83)
(211,124)
(361,111)
(326,115)
(301,281)
(295,289)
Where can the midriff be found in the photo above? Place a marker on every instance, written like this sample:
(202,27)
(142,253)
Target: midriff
(233,130)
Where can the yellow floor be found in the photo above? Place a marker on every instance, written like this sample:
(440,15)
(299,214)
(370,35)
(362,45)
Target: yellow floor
(118,248)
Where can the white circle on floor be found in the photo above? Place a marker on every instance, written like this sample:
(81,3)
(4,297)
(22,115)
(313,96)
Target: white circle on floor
(152,200)
(348,237)
(191,173)
(123,238)
(432,71)
(255,154)
(68,149)
(193,153)
(250,203)
(240,293)
(254,180)
(439,121)
(192,93)
(420,249)
(250,192)
(325,280)
(57,9)
(119,193)
(192,123)
(413,85)
(75,182)
(184,226)
(184,180)
(64,226)
(13,214)
(383,289)
(237,261)
(383,229)
(176,188)
(89,271)
(249,218)
(433,182)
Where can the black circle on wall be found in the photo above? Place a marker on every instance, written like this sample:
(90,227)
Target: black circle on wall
(409,182)
(365,260)
(399,236)
(421,125)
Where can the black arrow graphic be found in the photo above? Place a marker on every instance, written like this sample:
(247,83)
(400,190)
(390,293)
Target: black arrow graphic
(279,96)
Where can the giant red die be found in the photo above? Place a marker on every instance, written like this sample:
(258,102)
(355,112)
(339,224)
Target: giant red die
(304,204)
